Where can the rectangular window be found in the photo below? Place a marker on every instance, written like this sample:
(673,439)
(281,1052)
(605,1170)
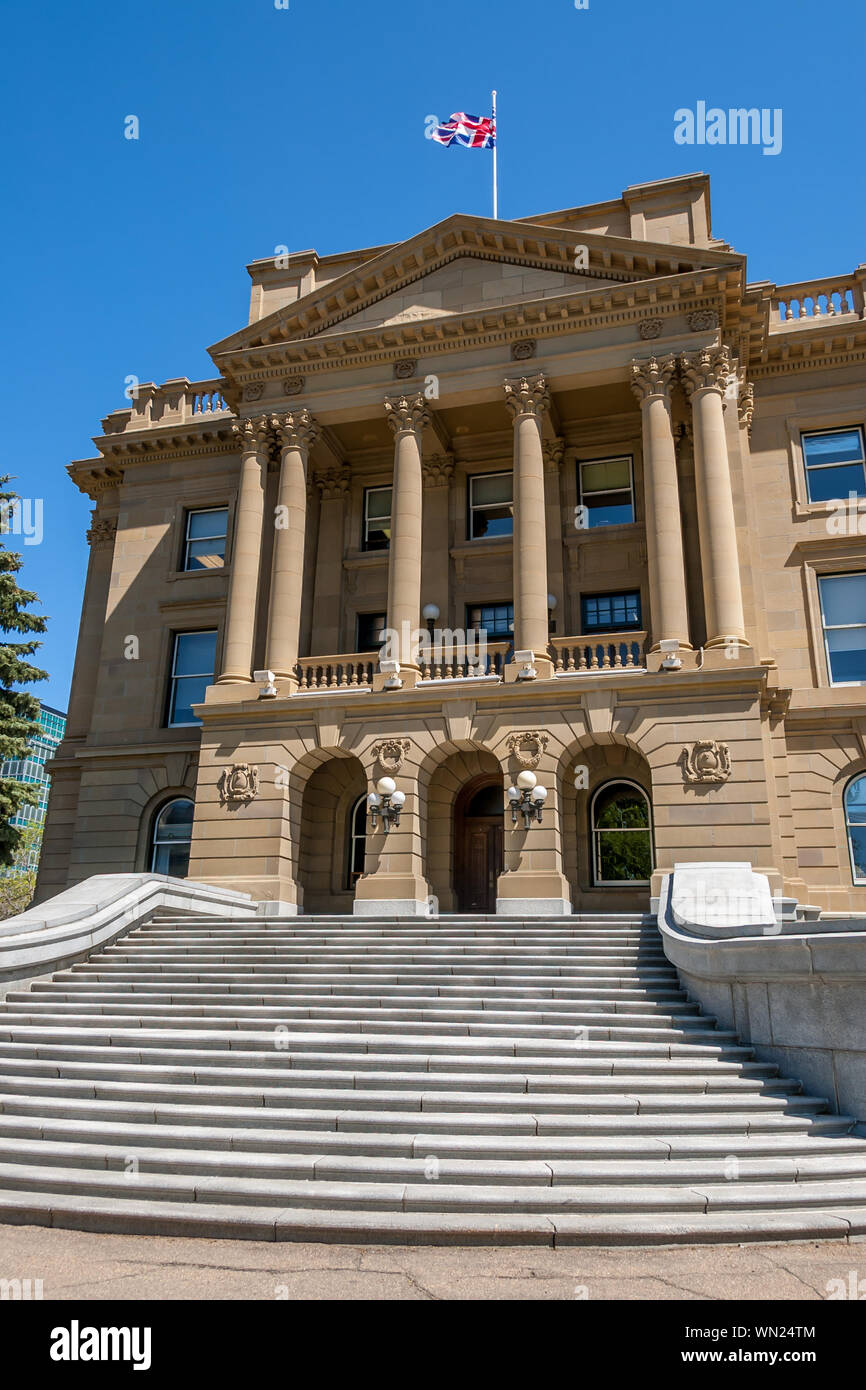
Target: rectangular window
(835,465)
(205,540)
(370,631)
(611,612)
(491,505)
(377,518)
(496,619)
(606,491)
(192,671)
(843,615)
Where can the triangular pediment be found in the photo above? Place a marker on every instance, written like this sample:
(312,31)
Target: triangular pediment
(467,264)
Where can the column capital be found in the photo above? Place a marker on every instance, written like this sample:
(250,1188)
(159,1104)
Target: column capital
(297,429)
(527,395)
(746,404)
(102,531)
(706,370)
(438,470)
(407,414)
(252,435)
(333,484)
(554,452)
(652,376)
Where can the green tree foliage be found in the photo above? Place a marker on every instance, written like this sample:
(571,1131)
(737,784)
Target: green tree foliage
(18,710)
(18,881)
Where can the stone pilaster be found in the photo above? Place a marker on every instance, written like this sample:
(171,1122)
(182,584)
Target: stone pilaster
(435,577)
(651,383)
(254,439)
(296,433)
(332,486)
(528,399)
(705,375)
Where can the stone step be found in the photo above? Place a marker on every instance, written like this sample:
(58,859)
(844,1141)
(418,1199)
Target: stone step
(350,1168)
(336,1098)
(483,1199)
(593,1060)
(319,1146)
(332,1019)
(207,1073)
(400,1031)
(449,1124)
(225,998)
(209,1220)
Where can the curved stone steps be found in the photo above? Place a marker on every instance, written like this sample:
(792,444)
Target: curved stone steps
(396,1081)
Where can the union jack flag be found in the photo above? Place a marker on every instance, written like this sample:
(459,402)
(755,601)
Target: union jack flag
(473,132)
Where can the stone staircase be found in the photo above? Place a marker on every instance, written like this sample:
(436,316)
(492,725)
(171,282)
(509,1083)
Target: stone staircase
(469,1080)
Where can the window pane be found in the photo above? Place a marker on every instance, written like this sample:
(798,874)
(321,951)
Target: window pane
(370,631)
(624,856)
(188,691)
(175,821)
(846,648)
(842,446)
(206,554)
(622,808)
(609,509)
(195,654)
(494,619)
(379,503)
(492,521)
(843,599)
(858,851)
(498,488)
(171,859)
(611,612)
(828,484)
(855,802)
(210,523)
(605,476)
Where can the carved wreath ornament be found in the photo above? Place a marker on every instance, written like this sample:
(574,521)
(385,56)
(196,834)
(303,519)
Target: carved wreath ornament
(238,785)
(528,747)
(706,762)
(391,753)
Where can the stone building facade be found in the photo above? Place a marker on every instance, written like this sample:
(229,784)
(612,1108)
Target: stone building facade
(617,482)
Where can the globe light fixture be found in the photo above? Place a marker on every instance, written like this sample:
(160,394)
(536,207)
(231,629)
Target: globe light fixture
(386,801)
(527,797)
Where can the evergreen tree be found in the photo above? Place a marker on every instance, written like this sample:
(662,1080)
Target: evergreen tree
(18,710)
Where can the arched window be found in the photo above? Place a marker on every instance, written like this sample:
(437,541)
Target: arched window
(622,843)
(855,826)
(357,842)
(172,832)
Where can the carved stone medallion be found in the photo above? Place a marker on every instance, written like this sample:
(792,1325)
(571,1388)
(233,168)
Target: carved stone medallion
(238,785)
(522,351)
(405,369)
(390,753)
(706,762)
(651,328)
(254,391)
(703,320)
(528,747)
(293,385)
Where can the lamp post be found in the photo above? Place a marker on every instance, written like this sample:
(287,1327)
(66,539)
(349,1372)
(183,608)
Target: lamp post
(386,801)
(527,797)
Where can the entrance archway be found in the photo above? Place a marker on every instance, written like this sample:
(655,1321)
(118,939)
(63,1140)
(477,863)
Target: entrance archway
(331,835)
(479,823)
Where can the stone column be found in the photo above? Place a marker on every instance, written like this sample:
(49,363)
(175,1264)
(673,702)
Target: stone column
(296,432)
(240,627)
(407,416)
(705,377)
(333,486)
(651,380)
(528,399)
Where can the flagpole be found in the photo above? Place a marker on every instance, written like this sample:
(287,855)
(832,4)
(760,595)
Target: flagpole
(495,164)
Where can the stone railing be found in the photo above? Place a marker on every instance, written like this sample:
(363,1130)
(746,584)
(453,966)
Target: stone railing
(604,651)
(460,664)
(354,671)
(178,402)
(813,300)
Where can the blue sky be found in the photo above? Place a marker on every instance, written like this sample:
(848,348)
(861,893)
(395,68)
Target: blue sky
(304,127)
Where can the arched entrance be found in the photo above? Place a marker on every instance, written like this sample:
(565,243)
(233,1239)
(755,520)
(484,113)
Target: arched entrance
(479,821)
(332,835)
